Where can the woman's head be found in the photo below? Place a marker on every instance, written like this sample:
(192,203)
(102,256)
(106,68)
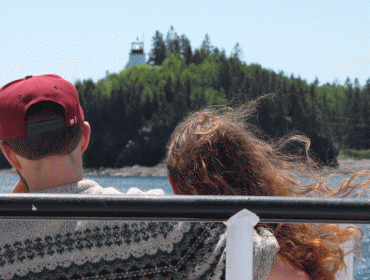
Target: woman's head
(214,152)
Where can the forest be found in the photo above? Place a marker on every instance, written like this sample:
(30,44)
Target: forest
(133,113)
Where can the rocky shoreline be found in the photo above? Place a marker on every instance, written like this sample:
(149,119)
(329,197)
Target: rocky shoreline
(346,166)
(159,170)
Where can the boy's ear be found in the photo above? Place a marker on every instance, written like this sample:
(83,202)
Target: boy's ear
(85,139)
(10,155)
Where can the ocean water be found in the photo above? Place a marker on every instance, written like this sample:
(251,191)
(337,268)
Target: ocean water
(361,267)
(7,182)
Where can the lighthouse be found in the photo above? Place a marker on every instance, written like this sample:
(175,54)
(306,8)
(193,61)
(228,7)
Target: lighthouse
(137,55)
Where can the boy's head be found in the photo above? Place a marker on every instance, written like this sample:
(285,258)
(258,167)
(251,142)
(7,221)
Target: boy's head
(40,116)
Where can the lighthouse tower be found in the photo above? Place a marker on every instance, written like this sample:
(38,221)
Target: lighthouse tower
(137,55)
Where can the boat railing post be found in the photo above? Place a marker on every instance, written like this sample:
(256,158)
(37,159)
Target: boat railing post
(239,245)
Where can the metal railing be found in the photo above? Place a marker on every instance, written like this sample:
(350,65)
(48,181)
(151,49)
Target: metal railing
(184,208)
(195,209)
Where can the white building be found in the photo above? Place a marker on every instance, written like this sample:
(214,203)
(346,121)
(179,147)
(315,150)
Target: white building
(137,55)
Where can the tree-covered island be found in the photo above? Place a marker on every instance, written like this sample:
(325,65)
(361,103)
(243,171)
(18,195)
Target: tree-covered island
(133,113)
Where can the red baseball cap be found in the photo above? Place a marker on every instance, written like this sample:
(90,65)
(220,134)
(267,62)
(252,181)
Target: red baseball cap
(18,96)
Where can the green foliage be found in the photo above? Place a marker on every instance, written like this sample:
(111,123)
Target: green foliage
(214,97)
(133,113)
(158,53)
(354,154)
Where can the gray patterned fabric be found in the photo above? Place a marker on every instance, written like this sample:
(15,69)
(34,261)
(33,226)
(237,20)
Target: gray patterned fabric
(57,249)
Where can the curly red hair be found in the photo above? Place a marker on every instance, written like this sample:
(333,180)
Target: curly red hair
(214,152)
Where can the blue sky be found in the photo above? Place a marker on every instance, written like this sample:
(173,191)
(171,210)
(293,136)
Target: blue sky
(83,39)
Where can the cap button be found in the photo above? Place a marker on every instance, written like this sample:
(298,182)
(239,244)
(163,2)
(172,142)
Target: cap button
(27,77)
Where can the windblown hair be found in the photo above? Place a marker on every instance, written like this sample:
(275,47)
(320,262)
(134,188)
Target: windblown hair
(58,142)
(214,152)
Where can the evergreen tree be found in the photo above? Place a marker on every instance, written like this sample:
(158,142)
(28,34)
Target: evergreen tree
(236,76)
(224,80)
(357,124)
(158,52)
(196,59)
(206,44)
(256,86)
(172,41)
(265,82)
(348,102)
(188,86)
(349,94)
(284,90)
(325,115)
(295,109)
(199,56)
(273,84)
(366,114)
(352,138)
(167,89)
(185,49)
(237,52)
